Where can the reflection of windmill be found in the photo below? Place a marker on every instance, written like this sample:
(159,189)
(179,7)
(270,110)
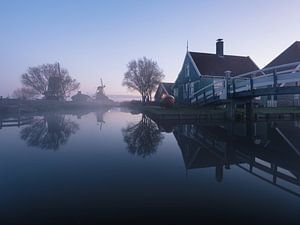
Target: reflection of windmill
(100,119)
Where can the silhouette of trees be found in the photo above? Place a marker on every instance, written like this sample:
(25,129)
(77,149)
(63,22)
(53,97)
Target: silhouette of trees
(143,138)
(24,93)
(49,132)
(37,79)
(143,75)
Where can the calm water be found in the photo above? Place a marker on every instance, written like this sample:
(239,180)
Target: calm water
(112,167)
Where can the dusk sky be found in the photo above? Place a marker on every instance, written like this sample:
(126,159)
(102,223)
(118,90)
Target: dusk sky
(94,39)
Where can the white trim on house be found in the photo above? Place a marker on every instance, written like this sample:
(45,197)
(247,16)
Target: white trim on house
(194,64)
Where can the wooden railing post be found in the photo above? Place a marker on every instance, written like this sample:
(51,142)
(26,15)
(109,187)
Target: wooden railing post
(275,78)
(227,86)
(251,83)
(233,85)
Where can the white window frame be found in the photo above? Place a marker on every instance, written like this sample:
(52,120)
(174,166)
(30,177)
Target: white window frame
(187,70)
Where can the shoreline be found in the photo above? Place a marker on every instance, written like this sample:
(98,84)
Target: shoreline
(14,106)
(11,107)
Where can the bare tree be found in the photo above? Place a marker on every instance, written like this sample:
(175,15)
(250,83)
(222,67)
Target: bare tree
(24,93)
(143,75)
(37,78)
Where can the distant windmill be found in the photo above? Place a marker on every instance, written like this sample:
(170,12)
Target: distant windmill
(54,90)
(100,95)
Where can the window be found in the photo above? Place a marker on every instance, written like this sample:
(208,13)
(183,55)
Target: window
(175,92)
(192,89)
(186,90)
(187,70)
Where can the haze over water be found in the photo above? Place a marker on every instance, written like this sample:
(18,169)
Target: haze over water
(113,166)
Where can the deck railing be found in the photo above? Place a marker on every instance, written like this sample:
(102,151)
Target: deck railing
(222,87)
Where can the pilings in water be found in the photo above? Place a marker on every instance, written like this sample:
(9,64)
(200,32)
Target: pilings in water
(231,107)
(230,110)
(249,110)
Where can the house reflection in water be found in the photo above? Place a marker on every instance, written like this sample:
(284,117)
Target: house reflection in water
(262,149)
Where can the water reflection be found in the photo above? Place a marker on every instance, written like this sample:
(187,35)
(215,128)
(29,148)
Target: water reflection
(267,150)
(143,138)
(49,132)
(100,120)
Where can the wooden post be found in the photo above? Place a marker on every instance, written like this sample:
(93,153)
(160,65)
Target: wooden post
(219,172)
(227,87)
(251,83)
(233,85)
(274,86)
(274,171)
(249,111)
(230,110)
(275,78)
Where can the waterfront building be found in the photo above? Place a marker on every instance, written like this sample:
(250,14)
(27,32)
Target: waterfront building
(164,89)
(201,69)
(290,55)
(79,97)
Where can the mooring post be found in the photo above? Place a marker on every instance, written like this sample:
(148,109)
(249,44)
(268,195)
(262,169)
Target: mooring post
(219,172)
(274,171)
(230,110)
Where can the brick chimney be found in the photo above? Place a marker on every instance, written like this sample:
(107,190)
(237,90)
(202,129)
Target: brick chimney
(220,47)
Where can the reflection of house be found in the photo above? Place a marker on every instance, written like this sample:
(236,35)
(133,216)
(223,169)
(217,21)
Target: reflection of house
(290,55)
(79,97)
(163,90)
(265,149)
(196,65)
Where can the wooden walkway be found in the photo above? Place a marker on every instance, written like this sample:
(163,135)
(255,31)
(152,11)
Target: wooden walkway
(15,122)
(269,81)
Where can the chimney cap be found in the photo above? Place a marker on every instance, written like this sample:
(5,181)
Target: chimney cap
(219,39)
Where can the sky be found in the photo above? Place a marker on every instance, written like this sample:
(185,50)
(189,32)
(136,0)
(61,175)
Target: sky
(96,39)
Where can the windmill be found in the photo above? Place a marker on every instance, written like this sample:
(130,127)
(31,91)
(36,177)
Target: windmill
(100,91)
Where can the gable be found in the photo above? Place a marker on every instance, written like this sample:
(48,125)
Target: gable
(168,87)
(188,72)
(290,55)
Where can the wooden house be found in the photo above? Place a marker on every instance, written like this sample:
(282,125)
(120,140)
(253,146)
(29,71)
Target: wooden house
(290,55)
(79,97)
(164,89)
(201,69)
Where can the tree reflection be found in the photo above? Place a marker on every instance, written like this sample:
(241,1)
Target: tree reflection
(49,132)
(142,138)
